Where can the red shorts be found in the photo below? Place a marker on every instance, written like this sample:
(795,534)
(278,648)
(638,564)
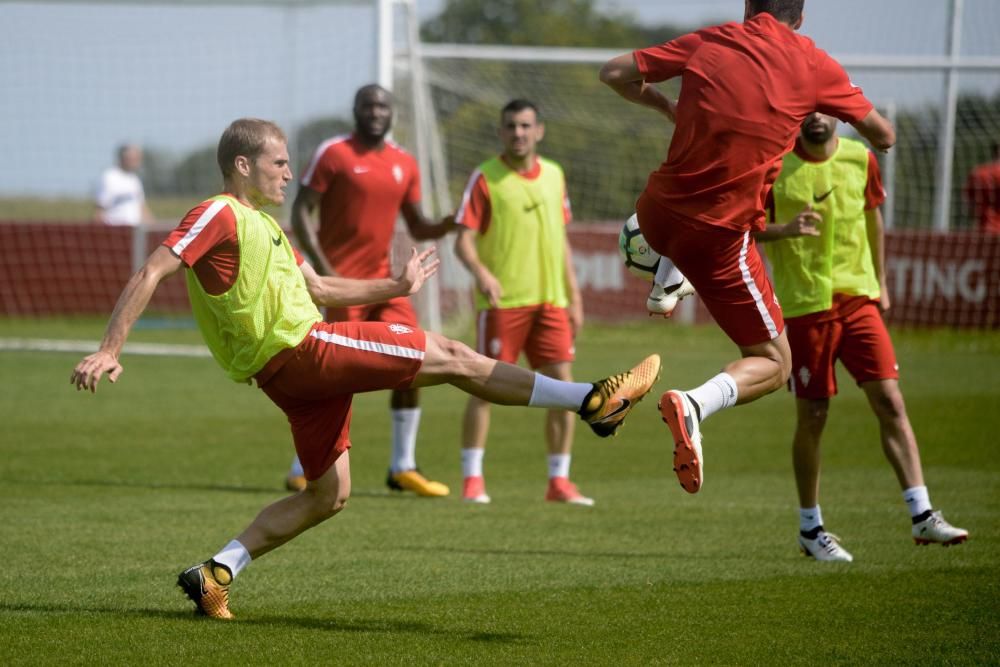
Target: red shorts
(857,337)
(725,268)
(398,310)
(318,378)
(542,332)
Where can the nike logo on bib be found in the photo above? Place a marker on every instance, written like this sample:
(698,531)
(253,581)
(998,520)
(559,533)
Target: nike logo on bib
(277,241)
(819,198)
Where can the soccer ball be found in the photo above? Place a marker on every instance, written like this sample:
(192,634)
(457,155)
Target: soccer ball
(639,258)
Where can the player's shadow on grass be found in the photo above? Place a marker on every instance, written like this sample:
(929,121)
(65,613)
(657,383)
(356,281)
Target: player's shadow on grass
(176,486)
(582,553)
(379,625)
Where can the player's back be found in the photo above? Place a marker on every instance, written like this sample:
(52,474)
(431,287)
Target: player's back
(745,90)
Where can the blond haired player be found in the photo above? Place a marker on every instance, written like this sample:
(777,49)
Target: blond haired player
(255,301)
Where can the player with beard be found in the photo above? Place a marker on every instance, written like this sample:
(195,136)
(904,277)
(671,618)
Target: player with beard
(359,184)
(828,264)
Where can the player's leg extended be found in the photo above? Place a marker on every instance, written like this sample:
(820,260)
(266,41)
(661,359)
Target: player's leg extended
(603,404)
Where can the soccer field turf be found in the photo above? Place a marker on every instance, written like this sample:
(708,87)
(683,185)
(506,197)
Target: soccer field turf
(104,499)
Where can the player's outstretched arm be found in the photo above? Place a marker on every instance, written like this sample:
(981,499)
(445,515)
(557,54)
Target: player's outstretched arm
(878,131)
(337,291)
(622,75)
(304,227)
(423,229)
(132,302)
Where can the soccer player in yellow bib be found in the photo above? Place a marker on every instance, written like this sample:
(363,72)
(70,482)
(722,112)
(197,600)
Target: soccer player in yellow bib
(512,238)
(827,256)
(255,301)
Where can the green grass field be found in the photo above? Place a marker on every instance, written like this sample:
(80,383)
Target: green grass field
(104,499)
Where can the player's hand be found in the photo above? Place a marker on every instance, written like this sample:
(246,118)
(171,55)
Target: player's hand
(418,270)
(575,316)
(884,301)
(490,287)
(806,223)
(88,372)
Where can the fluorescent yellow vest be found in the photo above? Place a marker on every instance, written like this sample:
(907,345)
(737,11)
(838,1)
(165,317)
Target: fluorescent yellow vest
(267,310)
(808,270)
(525,243)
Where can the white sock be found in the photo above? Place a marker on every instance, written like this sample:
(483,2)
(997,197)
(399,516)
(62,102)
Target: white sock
(559,465)
(405,422)
(716,394)
(472,461)
(549,393)
(296,469)
(917,500)
(810,518)
(667,275)
(234,556)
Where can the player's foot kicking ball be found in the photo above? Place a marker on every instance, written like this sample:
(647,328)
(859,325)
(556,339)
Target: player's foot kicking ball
(612,398)
(662,300)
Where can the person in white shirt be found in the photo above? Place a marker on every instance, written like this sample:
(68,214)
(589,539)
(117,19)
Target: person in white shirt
(120,198)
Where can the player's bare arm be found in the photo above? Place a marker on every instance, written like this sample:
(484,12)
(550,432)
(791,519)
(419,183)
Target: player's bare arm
(806,223)
(337,291)
(423,229)
(304,227)
(875,228)
(486,282)
(878,131)
(575,300)
(622,75)
(132,302)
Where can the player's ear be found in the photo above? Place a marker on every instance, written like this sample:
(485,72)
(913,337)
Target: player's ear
(540,131)
(798,24)
(242,163)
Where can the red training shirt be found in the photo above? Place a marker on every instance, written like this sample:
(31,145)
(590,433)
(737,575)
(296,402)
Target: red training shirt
(362,191)
(982,191)
(746,88)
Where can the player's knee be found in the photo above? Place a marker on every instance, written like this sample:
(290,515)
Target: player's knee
(325,503)
(888,407)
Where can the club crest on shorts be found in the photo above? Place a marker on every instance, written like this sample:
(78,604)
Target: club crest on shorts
(804,376)
(400,329)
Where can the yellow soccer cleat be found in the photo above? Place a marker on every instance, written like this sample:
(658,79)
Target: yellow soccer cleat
(207,584)
(611,399)
(412,480)
(295,483)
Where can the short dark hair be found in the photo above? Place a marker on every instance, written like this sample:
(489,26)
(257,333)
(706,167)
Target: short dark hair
(368,88)
(787,11)
(245,137)
(520,104)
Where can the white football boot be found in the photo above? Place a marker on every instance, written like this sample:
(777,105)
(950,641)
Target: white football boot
(663,302)
(824,546)
(935,530)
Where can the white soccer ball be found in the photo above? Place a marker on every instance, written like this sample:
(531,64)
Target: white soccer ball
(639,258)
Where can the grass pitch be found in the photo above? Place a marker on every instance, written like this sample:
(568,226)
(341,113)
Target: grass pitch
(104,499)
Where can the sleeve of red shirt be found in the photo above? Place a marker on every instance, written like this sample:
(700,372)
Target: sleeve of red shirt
(199,232)
(320,171)
(659,63)
(474,211)
(836,95)
(874,192)
(567,207)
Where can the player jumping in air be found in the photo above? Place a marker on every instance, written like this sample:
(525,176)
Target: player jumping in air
(745,90)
